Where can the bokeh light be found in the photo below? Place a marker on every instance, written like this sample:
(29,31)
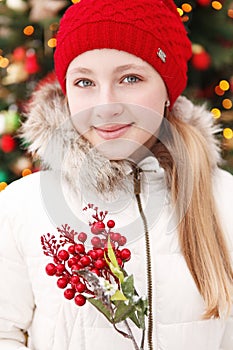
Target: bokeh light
(216,113)
(29,30)
(228,133)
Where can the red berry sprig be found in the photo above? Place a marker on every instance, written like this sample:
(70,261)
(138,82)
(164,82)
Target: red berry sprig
(70,256)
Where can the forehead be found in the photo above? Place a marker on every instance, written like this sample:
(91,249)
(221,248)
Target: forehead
(108,59)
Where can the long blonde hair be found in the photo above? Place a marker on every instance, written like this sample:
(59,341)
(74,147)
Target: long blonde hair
(183,153)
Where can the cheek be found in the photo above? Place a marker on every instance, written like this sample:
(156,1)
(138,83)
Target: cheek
(81,120)
(147,120)
(154,97)
(156,102)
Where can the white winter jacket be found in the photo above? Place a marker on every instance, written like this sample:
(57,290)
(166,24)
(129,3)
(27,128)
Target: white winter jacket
(30,299)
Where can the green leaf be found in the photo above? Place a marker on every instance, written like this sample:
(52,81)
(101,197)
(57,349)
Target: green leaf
(112,255)
(123,311)
(102,308)
(117,272)
(113,264)
(118,296)
(128,286)
(141,307)
(134,318)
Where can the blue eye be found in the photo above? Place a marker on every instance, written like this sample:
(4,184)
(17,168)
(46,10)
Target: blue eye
(84,83)
(131,79)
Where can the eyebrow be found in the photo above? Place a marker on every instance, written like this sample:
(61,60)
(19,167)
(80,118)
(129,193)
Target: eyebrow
(118,69)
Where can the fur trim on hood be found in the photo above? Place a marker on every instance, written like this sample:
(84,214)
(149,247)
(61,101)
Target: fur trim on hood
(54,140)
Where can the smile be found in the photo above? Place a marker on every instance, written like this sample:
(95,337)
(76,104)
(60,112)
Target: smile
(112,131)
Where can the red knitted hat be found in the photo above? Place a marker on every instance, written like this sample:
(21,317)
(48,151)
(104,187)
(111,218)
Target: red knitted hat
(149,29)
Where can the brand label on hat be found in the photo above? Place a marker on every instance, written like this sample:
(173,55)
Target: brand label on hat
(162,55)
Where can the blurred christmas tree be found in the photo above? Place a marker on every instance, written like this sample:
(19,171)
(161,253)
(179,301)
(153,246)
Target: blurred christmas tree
(210,27)
(27,41)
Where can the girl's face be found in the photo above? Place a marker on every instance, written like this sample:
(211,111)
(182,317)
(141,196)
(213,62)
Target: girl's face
(116,101)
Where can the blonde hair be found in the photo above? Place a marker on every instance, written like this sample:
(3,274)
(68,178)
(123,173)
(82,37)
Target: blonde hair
(183,153)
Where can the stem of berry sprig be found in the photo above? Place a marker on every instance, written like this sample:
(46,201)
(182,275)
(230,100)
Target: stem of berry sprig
(132,337)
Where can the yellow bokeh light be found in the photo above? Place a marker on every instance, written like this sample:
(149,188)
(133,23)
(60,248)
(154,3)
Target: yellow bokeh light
(228,133)
(186,7)
(3,185)
(227,103)
(75,1)
(217,5)
(180,11)
(26,172)
(29,30)
(216,113)
(4,62)
(224,85)
(52,42)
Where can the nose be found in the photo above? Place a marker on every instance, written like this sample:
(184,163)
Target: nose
(109,110)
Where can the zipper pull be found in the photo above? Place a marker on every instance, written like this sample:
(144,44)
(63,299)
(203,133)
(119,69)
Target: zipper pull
(137,180)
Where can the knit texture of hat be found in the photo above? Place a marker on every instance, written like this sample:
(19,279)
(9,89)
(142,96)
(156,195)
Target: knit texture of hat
(149,29)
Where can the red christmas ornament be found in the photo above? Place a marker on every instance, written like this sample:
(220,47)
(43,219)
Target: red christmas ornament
(19,53)
(31,63)
(201,61)
(203,2)
(7,143)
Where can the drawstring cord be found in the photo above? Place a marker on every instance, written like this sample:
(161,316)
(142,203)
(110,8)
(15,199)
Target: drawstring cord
(137,190)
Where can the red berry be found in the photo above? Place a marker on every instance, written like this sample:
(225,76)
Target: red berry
(93,254)
(72,261)
(69,293)
(96,242)
(122,240)
(80,287)
(85,260)
(111,223)
(100,252)
(103,242)
(80,300)
(74,280)
(120,262)
(118,253)
(71,249)
(82,237)
(76,267)
(125,254)
(96,271)
(50,269)
(63,255)
(116,237)
(60,269)
(79,248)
(100,264)
(62,282)
(97,227)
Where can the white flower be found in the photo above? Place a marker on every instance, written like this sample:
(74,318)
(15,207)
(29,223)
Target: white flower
(109,288)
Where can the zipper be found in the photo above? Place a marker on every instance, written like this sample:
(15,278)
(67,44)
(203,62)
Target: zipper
(137,190)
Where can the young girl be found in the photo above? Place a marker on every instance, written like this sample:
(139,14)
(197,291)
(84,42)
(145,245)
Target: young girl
(115,132)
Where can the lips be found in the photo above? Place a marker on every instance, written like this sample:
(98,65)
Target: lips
(110,132)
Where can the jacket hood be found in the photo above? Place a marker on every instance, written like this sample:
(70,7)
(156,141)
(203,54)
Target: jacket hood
(53,139)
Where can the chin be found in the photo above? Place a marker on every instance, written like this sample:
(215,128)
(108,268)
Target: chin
(123,149)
